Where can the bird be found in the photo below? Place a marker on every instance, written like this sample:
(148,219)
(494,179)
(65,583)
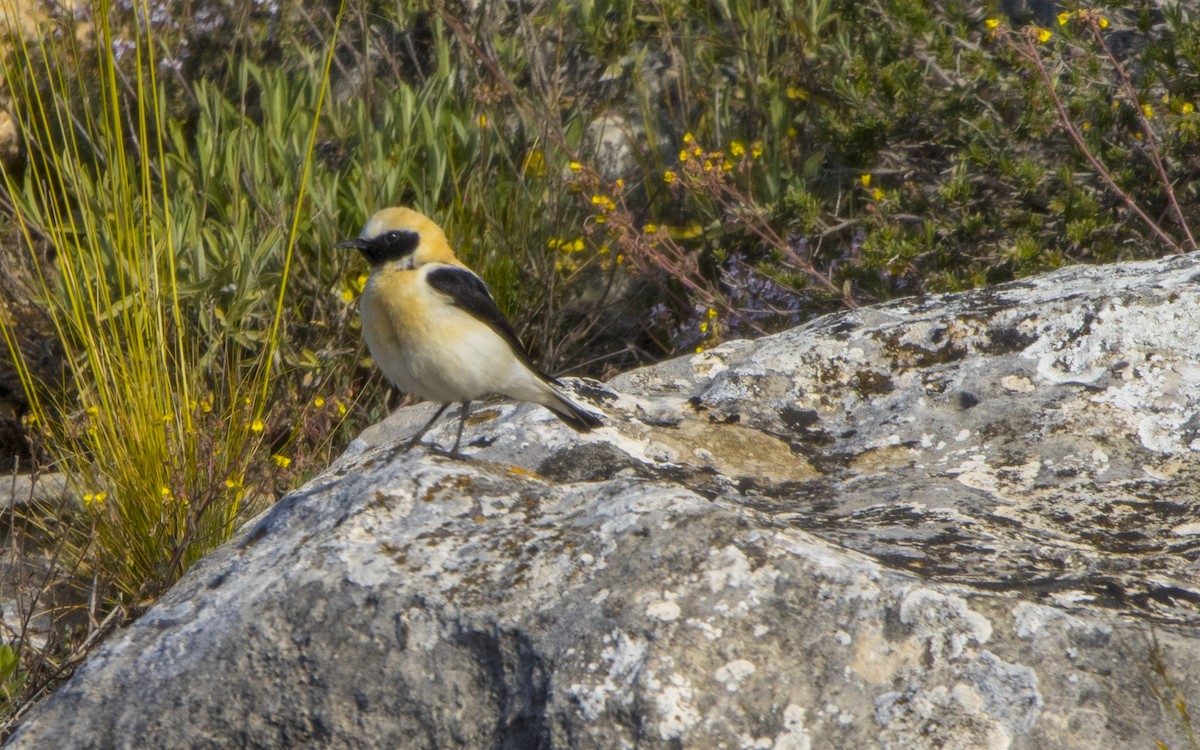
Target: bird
(434,329)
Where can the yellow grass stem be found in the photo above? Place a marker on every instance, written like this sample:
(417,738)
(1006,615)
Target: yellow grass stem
(272,338)
(160,488)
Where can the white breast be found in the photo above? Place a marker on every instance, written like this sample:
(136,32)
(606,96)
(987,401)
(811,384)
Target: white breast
(431,349)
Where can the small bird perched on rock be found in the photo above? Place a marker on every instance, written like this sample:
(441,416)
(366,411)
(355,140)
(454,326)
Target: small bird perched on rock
(433,328)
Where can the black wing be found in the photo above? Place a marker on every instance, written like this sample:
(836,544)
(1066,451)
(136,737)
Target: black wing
(468,292)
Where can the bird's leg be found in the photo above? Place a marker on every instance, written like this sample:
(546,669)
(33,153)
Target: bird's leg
(421,433)
(466,412)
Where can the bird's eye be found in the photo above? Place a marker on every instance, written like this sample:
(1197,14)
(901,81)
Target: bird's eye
(400,242)
(390,246)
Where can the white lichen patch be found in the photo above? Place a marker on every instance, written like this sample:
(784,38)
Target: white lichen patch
(663,610)
(1030,619)
(1054,369)
(730,568)
(625,657)
(794,735)
(732,673)
(710,631)
(421,630)
(1009,484)
(944,621)
(907,715)
(673,703)
(975,473)
(1036,620)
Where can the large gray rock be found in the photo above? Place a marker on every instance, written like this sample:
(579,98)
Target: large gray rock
(957,522)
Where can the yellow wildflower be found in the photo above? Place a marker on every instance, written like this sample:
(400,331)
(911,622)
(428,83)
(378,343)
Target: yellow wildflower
(535,163)
(341,408)
(281,461)
(650,228)
(683,154)
(726,165)
(756,149)
(687,138)
(483,121)
(1103,22)
(256,426)
(604,202)
(233,483)
(708,165)
(1148,111)
(92,411)
(865,180)
(669,177)
(1043,35)
(794,92)
(711,313)
(737,148)
(877,194)
(319,401)
(575,166)
(1063,18)
(992,23)
(577,245)
(1187,108)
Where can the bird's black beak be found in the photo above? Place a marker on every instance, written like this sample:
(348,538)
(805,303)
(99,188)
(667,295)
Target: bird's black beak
(355,243)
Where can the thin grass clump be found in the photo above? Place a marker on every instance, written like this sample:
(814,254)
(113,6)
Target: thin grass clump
(161,418)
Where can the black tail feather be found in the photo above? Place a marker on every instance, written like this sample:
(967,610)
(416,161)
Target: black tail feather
(573,416)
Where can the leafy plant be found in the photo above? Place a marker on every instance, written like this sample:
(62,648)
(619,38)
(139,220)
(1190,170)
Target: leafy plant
(160,452)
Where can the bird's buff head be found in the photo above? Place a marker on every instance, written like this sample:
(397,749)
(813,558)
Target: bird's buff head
(402,235)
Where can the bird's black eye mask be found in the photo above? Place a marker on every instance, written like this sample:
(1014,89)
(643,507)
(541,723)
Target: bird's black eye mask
(394,245)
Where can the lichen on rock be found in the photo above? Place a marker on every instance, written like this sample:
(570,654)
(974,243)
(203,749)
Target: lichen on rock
(944,522)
